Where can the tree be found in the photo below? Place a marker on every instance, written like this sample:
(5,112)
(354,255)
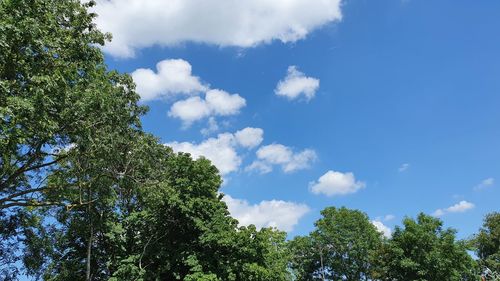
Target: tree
(487,242)
(341,247)
(84,193)
(57,101)
(161,219)
(55,93)
(180,229)
(423,250)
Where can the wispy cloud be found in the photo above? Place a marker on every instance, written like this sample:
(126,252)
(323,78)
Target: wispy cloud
(404,167)
(461,207)
(484,184)
(389,217)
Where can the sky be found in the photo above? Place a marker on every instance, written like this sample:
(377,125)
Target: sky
(390,107)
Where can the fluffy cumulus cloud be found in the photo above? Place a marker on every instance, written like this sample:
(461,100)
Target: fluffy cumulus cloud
(221,150)
(215,103)
(137,24)
(250,137)
(284,156)
(274,213)
(296,84)
(460,207)
(336,183)
(172,77)
(381,227)
(484,184)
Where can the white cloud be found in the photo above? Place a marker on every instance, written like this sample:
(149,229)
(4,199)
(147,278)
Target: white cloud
(336,183)
(460,207)
(250,137)
(278,154)
(296,84)
(216,103)
(190,110)
(439,213)
(224,104)
(381,227)
(275,213)
(172,77)
(484,184)
(222,150)
(275,154)
(213,127)
(260,166)
(300,161)
(137,24)
(404,167)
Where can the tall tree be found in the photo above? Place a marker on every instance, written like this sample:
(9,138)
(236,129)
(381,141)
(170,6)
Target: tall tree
(487,242)
(57,101)
(162,218)
(55,93)
(424,250)
(341,247)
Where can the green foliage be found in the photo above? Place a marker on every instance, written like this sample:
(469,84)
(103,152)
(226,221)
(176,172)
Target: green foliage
(85,194)
(55,93)
(487,242)
(162,219)
(341,247)
(57,101)
(423,250)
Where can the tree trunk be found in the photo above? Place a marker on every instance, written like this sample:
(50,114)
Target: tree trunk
(89,253)
(89,243)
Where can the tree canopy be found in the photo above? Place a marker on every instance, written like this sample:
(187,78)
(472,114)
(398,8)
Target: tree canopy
(487,242)
(423,250)
(342,247)
(86,194)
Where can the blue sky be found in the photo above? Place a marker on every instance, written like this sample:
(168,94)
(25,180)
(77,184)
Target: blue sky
(378,84)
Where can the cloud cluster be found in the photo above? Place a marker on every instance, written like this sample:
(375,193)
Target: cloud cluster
(172,77)
(222,150)
(296,84)
(280,214)
(381,227)
(336,183)
(137,24)
(460,207)
(283,156)
(215,103)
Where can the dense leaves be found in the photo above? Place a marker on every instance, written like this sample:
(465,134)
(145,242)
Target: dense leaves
(162,220)
(424,250)
(57,100)
(85,194)
(342,247)
(55,93)
(487,242)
